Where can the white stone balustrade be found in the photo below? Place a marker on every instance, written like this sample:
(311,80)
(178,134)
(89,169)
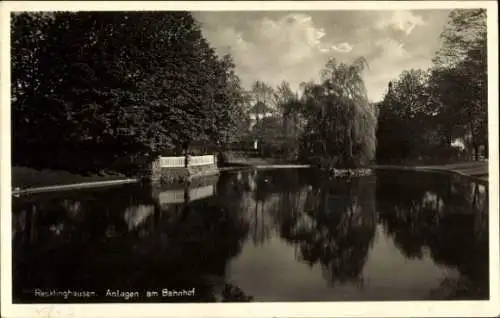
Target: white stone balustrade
(171,162)
(176,162)
(201,160)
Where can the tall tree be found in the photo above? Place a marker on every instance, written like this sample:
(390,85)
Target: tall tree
(341,121)
(234,123)
(263,92)
(424,114)
(461,64)
(406,122)
(282,95)
(113,90)
(465,31)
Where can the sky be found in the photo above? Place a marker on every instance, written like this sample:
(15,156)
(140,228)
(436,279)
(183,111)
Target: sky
(274,46)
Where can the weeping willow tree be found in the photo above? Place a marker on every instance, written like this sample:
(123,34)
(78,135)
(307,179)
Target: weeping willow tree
(340,120)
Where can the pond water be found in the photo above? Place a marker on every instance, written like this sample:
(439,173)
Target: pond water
(256,235)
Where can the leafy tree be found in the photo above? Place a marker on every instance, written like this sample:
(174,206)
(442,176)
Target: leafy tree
(236,104)
(282,95)
(262,92)
(285,139)
(423,114)
(108,90)
(269,132)
(406,121)
(465,32)
(340,120)
(460,64)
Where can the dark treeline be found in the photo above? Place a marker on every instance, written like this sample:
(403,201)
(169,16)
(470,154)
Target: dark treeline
(422,117)
(329,123)
(95,91)
(425,111)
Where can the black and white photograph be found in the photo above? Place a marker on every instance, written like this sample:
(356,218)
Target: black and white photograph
(273,154)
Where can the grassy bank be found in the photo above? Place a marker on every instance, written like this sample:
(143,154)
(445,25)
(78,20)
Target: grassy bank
(476,169)
(242,158)
(23,177)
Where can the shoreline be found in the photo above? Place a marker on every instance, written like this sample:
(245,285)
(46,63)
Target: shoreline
(474,170)
(73,186)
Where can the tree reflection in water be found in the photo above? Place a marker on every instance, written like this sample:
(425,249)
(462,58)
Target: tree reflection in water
(331,223)
(133,238)
(235,190)
(122,238)
(448,216)
(335,228)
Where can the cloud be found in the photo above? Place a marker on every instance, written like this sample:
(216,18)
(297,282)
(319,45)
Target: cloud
(343,47)
(285,48)
(292,38)
(404,21)
(391,49)
(294,46)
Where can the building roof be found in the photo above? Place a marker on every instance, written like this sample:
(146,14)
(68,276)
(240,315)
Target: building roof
(260,108)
